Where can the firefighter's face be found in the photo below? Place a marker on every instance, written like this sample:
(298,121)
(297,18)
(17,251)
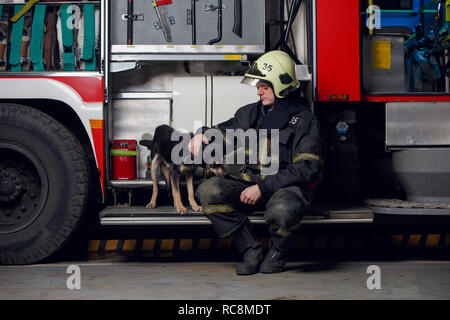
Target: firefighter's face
(265,93)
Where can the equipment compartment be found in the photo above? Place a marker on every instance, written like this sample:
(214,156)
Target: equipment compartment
(205,29)
(405,47)
(49,36)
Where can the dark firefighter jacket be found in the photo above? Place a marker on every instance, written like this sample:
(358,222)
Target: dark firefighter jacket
(300,145)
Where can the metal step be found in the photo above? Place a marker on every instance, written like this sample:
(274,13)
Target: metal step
(402,207)
(142,183)
(167,215)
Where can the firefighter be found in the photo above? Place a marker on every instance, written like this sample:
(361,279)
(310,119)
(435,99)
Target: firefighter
(283,196)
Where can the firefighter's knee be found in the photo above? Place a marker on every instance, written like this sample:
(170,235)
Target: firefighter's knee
(210,192)
(284,211)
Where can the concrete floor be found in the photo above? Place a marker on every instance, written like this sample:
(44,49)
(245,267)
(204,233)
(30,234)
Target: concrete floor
(116,278)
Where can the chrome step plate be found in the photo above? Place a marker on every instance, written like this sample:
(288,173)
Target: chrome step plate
(167,215)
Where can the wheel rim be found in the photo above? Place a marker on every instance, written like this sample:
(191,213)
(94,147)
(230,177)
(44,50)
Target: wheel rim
(23,187)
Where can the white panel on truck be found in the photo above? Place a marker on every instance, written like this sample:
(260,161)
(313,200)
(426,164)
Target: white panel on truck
(190,101)
(229,94)
(208,100)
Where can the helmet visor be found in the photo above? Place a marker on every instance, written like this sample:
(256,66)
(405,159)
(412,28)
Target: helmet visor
(255,71)
(250,81)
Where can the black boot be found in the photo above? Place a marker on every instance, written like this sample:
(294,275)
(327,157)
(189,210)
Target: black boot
(274,262)
(276,257)
(247,243)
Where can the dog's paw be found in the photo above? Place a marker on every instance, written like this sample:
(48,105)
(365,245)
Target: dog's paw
(181,210)
(196,207)
(151,205)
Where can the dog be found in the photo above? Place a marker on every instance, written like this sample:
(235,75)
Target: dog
(161,152)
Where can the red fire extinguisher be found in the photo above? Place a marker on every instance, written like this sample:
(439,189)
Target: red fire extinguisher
(123,155)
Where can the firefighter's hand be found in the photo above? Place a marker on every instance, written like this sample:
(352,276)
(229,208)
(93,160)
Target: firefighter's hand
(195,144)
(251,195)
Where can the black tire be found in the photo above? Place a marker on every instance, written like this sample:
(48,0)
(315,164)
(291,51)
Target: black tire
(43,184)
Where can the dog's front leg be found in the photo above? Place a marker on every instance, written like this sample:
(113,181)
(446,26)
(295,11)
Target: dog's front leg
(154,172)
(166,171)
(175,182)
(190,187)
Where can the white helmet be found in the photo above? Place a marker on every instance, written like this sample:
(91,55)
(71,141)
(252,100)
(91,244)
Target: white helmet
(275,67)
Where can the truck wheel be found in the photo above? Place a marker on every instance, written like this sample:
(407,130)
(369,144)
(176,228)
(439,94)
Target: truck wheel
(43,184)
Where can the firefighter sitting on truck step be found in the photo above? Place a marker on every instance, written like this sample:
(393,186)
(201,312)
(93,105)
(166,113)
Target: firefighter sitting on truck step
(284,195)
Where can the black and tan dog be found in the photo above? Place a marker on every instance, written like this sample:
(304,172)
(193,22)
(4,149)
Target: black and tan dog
(161,152)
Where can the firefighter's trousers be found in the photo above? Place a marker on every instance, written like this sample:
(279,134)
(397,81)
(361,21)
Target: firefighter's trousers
(283,210)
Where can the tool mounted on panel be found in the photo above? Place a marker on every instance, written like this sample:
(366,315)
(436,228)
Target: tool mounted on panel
(164,21)
(237,27)
(130,17)
(219,7)
(191,21)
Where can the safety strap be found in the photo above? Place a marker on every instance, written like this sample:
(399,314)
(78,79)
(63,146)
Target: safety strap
(4,33)
(67,37)
(16,41)
(48,38)
(89,37)
(2,40)
(79,45)
(37,38)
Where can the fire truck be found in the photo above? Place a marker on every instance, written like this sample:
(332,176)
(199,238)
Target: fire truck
(84,84)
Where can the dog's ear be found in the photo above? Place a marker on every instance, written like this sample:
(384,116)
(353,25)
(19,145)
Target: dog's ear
(146,143)
(146,140)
